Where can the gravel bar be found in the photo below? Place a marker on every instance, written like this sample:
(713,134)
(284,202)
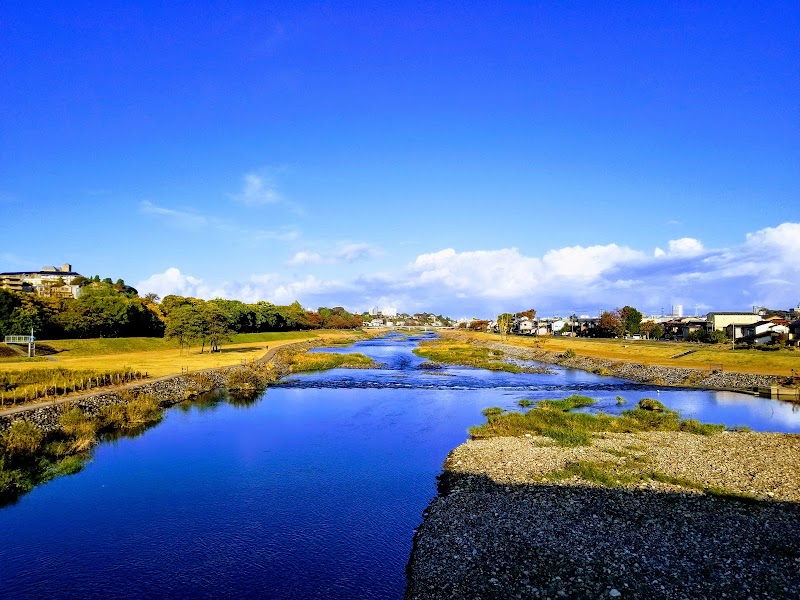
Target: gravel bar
(727,525)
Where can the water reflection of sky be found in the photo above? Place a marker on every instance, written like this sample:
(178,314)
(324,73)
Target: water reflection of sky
(402,371)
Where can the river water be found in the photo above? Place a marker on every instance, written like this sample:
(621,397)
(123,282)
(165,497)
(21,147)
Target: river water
(313,490)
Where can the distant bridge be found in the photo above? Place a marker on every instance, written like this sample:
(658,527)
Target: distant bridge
(25,340)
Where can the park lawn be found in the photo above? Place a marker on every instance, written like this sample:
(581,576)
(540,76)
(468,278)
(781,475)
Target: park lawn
(648,352)
(158,357)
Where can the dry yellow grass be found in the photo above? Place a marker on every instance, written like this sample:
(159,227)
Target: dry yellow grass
(780,362)
(166,361)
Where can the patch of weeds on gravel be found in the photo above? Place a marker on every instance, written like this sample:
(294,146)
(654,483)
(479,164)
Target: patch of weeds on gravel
(612,475)
(555,419)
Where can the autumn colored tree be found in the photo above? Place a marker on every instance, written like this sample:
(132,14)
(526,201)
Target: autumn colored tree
(610,324)
(530,313)
(504,323)
(646,328)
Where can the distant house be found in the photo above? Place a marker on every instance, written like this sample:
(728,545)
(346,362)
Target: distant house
(681,329)
(794,332)
(523,326)
(763,332)
(718,321)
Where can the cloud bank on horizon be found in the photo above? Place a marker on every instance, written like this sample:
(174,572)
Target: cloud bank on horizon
(762,270)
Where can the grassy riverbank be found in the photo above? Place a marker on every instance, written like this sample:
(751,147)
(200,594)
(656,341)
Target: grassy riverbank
(464,353)
(158,356)
(658,353)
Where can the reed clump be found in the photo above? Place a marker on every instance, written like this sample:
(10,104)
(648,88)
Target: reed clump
(322,361)
(17,387)
(250,377)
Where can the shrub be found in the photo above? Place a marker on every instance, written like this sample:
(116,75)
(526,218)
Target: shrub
(142,410)
(524,403)
(81,429)
(620,400)
(75,423)
(112,415)
(651,404)
(69,465)
(569,353)
(568,403)
(22,437)
(492,411)
(13,482)
(696,427)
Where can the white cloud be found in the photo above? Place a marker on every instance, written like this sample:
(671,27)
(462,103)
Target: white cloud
(257,190)
(180,218)
(685,246)
(762,270)
(345,252)
(171,281)
(271,287)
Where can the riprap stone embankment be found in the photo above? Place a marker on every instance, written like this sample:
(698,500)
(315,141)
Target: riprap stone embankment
(168,390)
(653,374)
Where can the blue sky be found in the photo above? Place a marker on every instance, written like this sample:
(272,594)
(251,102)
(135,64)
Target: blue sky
(462,157)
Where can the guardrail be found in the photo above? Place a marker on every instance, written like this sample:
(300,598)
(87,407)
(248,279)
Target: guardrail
(18,339)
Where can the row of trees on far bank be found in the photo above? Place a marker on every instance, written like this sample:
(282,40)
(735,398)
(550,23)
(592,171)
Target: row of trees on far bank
(112,309)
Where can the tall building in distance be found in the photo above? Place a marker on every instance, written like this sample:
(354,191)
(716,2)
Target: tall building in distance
(677,310)
(54,282)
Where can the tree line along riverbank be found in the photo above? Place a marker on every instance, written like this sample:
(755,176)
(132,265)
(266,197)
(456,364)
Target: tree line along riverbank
(40,442)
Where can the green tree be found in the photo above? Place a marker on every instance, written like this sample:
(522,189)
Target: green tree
(171,301)
(216,325)
(9,301)
(185,324)
(631,320)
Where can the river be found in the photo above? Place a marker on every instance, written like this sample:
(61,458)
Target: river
(313,490)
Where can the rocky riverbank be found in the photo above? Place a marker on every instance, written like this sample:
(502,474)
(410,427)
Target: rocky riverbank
(652,374)
(686,516)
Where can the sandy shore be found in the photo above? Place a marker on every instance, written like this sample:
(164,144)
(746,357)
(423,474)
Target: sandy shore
(698,517)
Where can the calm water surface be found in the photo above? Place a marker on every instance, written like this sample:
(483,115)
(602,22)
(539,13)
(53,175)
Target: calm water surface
(311,491)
